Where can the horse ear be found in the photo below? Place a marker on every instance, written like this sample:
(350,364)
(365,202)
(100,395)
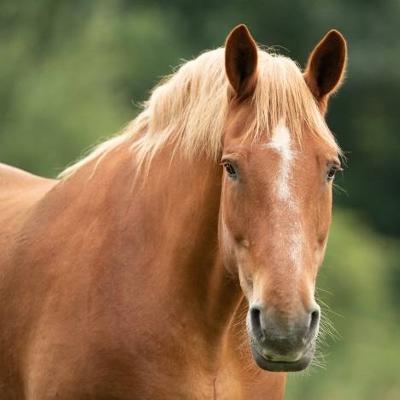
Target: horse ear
(326,66)
(241,61)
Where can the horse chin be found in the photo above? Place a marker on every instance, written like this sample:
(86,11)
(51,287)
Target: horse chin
(282,366)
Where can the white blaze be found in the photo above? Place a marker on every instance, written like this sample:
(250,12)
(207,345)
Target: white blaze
(281,144)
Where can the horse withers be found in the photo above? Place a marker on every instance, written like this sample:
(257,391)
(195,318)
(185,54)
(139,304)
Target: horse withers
(179,259)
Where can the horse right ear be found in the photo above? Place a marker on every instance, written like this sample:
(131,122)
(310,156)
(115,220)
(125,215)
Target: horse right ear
(241,61)
(326,66)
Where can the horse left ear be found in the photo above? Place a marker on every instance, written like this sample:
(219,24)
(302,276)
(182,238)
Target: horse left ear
(326,66)
(241,61)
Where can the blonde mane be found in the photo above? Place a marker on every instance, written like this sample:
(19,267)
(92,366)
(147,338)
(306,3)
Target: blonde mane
(189,109)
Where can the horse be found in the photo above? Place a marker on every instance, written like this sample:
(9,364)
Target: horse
(178,260)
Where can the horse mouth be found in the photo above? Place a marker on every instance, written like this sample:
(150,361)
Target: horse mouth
(272,365)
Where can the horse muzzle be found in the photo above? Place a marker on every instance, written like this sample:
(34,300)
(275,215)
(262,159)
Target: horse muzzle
(283,344)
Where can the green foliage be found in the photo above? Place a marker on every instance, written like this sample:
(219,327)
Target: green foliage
(61,95)
(72,73)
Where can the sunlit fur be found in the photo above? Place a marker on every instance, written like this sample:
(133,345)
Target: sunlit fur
(189,108)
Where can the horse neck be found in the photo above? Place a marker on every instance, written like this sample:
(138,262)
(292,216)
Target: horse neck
(166,222)
(189,210)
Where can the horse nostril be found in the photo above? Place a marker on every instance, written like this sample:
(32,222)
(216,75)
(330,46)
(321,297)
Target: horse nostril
(255,321)
(314,319)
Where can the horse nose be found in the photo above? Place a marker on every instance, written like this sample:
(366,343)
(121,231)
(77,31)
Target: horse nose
(283,336)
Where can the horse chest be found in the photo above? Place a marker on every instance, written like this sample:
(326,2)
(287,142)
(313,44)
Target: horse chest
(130,374)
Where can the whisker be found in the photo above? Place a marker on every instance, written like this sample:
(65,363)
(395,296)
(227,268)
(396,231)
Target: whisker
(339,189)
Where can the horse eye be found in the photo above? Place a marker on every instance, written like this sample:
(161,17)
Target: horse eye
(332,172)
(230,169)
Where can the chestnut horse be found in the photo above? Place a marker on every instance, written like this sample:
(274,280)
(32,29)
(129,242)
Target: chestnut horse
(143,271)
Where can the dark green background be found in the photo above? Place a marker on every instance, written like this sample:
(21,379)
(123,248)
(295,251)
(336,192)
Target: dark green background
(72,72)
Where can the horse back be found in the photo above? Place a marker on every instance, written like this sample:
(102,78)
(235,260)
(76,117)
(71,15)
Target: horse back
(12,179)
(19,188)
(19,191)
